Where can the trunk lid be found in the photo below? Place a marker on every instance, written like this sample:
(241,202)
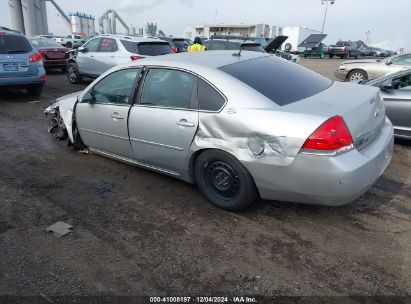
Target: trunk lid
(54,53)
(275,44)
(361,107)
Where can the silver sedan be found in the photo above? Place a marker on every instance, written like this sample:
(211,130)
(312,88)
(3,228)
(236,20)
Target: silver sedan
(242,126)
(396,92)
(368,69)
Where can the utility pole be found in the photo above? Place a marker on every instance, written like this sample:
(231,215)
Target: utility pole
(326,9)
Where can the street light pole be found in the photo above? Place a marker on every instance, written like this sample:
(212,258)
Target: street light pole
(326,9)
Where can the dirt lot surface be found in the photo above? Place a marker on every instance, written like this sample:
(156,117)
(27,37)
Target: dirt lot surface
(140,233)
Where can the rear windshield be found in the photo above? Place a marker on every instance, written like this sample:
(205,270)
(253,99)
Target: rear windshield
(13,44)
(252,47)
(38,43)
(279,80)
(147,48)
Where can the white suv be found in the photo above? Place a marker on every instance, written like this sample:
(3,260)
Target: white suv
(105,51)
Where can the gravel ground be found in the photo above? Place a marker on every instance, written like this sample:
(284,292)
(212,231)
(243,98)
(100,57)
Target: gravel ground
(140,233)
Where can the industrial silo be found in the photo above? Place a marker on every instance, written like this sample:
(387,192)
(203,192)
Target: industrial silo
(107,28)
(16,14)
(43,9)
(75,21)
(29,15)
(38,17)
(91,29)
(84,24)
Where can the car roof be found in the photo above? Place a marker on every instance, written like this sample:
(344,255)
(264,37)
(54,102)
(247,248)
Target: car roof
(239,41)
(131,38)
(208,59)
(10,31)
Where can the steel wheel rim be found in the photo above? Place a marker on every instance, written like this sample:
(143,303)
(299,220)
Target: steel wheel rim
(222,179)
(357,77)
(71,74)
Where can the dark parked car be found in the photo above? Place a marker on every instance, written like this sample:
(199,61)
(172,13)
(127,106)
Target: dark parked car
(344,49)
(179,45)
(54,55)
(21,66)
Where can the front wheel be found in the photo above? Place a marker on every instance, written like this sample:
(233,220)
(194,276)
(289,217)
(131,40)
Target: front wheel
(224,180)
(357,76)
(73,74)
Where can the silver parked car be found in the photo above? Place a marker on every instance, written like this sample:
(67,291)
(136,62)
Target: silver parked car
(396,91)
(368,69)
(103,52)
(239,125)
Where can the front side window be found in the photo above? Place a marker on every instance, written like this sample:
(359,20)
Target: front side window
(402,60)
(115,88)
(108,45)
(92,45)
(402,83)
(168,88)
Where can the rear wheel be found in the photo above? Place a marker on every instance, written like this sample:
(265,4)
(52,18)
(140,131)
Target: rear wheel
(357,76)
(35,91)
(73,74)
(69,45)
(331,56)
(224,180)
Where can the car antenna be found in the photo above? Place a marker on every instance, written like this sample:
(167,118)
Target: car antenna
(237,54)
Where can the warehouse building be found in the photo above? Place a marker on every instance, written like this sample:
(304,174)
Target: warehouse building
(207,30)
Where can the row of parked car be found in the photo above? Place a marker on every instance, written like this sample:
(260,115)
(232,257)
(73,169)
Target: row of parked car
(346,49)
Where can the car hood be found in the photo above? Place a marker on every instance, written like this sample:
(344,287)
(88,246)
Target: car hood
(275,44)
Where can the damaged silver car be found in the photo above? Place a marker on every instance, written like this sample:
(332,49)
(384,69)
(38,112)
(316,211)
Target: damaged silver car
(242,126)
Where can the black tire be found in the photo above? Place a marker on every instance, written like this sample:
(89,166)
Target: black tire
(331,56)
(73,74)
(357,75)
(69,45)
(35,91)
(224,180)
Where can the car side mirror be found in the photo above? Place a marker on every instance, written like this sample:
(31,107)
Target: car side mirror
(386,85)
(89,97)
(82,49)
(388,62)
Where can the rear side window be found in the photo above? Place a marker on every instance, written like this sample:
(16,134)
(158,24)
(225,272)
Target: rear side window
(208,97)
(279,80)
(154,49)
(215,45)
(107,45)
(14,44)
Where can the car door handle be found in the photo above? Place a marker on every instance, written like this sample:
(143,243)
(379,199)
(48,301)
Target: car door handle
(185,123)
(115,116)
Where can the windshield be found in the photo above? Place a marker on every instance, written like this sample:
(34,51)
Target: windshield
(39,43)
(14,44)
(279,80)
(252,47)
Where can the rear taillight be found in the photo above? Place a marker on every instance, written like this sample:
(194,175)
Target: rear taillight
(2,33)
(35,57)
(174,49)
(43,77)
(134,58)
(331,138)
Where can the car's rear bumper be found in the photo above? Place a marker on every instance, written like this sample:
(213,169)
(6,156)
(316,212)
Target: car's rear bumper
(22,82)
(326,180)
(55,63)
(341,74)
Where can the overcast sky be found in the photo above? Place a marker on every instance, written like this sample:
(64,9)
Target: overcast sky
(388,21)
